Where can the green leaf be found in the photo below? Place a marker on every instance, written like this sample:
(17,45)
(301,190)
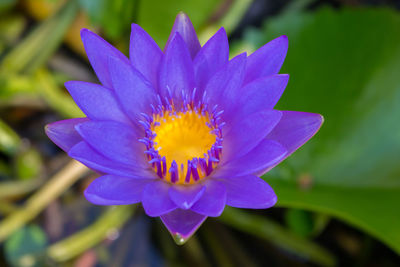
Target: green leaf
(22,248)
(345,65)
(157,16)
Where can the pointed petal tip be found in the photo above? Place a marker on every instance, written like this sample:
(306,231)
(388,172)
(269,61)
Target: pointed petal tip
(182,224)
(317,122)
(63,133)
(185,27)
(84,33)
(322,118)
(272,202)
(179,239)
(181,15)
(283,39)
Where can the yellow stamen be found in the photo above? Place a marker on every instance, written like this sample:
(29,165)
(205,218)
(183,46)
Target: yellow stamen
(182,137)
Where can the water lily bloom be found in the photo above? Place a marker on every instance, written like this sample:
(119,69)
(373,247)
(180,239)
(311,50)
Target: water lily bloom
(184,131)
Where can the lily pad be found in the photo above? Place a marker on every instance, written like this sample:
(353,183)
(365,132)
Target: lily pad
(345,65)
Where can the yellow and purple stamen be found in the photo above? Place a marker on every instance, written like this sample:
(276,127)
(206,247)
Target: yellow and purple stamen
(183,142)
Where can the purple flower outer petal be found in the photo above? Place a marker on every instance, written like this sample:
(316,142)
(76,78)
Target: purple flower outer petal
(182,224)
(211,57)
(176,72)
(213,201)
(267,60)
(249,192)
(85,154)
(98,51)
(261,94)
(184,27)
(96,101)
(266,154)
(145,54)
(184,196)
(116,190)
(63,133)
(226,82)
(247,133)
(155,199)
(114,140)
(134,92)
(295,128)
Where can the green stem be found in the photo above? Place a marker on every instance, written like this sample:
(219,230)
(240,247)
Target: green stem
(276,234)
(76,244)
(35,204)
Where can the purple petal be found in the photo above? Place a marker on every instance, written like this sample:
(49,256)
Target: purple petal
(295,128)
(184,27)
(184,196)
(134,92)
(267,60)
(261,94)
(96,101)
(145,54)
(63,133)
(176,71)
(155,199)
(225,84)
(83,153)
(211,57)
(250,192)
(266,154)
(182,223)
(115,190)
(98,51)
(114,140)
(248,132)
(213,201)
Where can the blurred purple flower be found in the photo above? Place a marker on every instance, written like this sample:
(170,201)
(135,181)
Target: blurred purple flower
(185,131)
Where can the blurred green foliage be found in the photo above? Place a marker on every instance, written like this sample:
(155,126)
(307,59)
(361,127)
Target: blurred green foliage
(343,64)
(114,17)
(25,245)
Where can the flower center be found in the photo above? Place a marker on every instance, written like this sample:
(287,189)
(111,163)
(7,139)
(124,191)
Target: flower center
(183,146)
(183,136)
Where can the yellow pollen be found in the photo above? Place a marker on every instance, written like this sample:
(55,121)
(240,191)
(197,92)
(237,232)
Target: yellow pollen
(182,136)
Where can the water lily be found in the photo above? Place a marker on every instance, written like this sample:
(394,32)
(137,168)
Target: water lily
(184,131)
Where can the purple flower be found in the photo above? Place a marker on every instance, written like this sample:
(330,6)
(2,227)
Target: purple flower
(185,131)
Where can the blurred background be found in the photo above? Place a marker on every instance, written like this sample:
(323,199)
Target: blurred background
(338,196)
